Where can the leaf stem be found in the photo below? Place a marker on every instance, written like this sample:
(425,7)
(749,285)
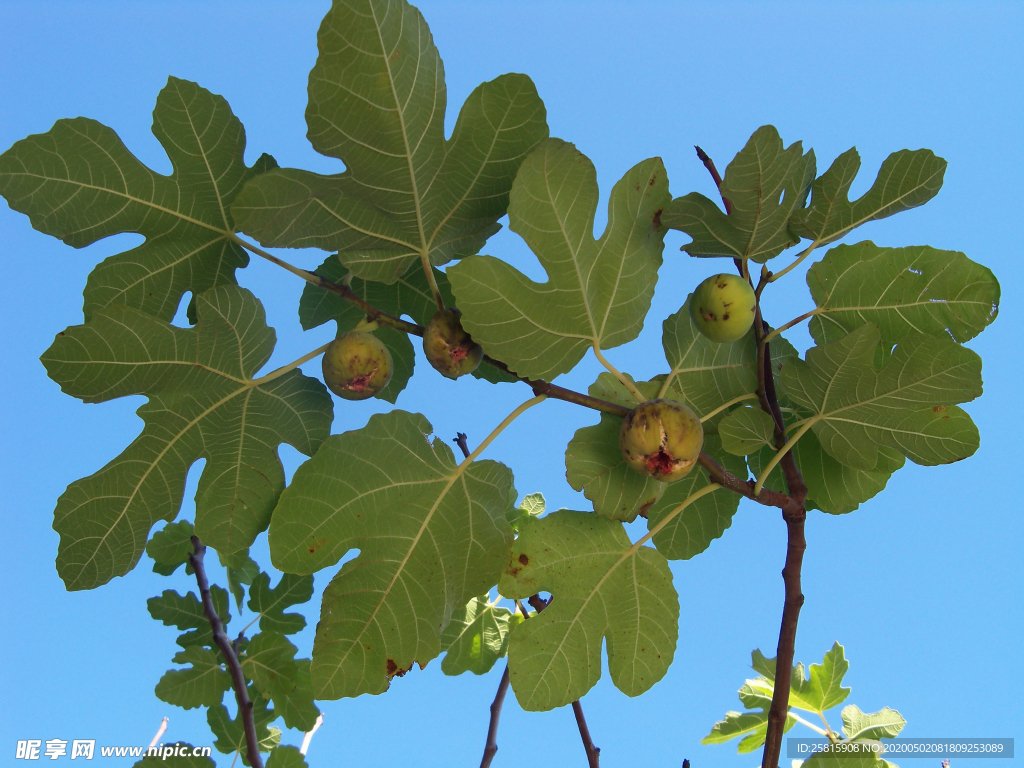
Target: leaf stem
(723,406)
(221,640)
(309,277)
(277,373)
(623,379)
(501,428)
(791,323)
(796,262)
(808,423)
(810,725)
(308,736)
(425,261)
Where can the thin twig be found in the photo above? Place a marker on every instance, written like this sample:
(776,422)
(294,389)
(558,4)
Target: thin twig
(227,650)
(159,733)
(460,440)
(308,737)
(491,747)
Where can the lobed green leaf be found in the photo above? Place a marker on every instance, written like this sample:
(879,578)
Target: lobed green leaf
(201,685)
(271,603)
(598,291)
(884,724)
(186,612)
(270,662)
(78,182)
(603,588)
(431,534)
(377,102)
(203,404)
(902,291)
(766,183)
(907,179)
(907,405)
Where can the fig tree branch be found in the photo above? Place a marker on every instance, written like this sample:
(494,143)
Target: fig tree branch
(539,386)
(221,640)
(793,512)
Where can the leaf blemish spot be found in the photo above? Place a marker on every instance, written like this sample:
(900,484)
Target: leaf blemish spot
(524,559)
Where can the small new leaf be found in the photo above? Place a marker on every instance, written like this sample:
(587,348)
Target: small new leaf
(170,547)
(765,184)
(286,757)
(602,587)
(431,534)
(377,102)
(175,761)
(186,612)
(907,179)
(901,290)
(203,404)
(908,405)
(884,724)
(476,637)
(79,183)
(201,685)
(598,291)
(270,661)
(229,732)
(271,603)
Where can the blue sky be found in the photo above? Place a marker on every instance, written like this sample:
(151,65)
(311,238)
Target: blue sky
(921,584)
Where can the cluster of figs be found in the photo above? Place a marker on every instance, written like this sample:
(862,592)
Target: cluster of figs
(659,438)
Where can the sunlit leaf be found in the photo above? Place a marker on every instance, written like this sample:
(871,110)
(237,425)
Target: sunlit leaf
(79,183)
(597,292)
(377,102)
(908,405)
(476,637)
(203,404)
(884,724)
(765,183)
(831,487)
(431,534)
(746,430)
(286,757)
(602,588)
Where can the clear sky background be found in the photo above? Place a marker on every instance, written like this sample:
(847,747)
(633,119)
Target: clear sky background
(921,585)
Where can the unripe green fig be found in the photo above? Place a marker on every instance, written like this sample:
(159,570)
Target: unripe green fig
(447,345)
(722,308)
(357,365)
(661,439)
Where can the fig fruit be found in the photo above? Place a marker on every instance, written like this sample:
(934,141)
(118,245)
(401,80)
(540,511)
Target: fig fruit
(722,308)
(661,439)
(448,347)
(357,365)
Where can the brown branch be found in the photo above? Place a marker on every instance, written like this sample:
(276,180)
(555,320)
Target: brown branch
(491,748)
(227,650)
(593,753)
(793,513)
(541,387)
(460,440)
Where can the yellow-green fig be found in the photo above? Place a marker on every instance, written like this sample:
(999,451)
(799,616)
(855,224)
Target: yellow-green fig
(722,307)
(661,439)
(357,365)
(447,345)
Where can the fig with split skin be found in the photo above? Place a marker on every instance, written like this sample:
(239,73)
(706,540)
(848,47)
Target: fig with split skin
(661,439)
(357,365)
(447,345)
(722,308)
